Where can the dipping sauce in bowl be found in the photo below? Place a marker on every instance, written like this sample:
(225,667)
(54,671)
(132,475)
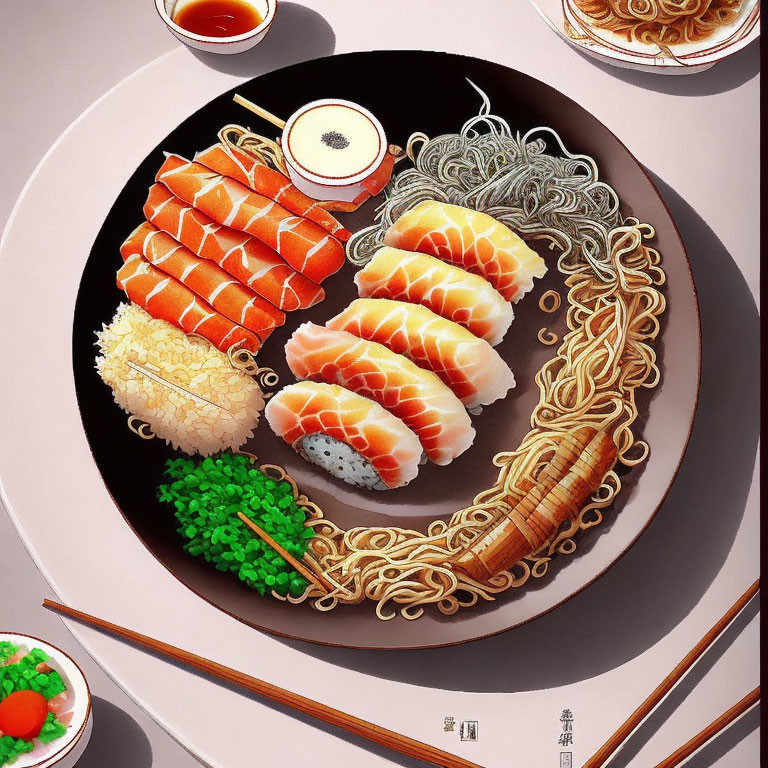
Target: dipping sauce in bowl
(331,147)
(217,18)
(218,26)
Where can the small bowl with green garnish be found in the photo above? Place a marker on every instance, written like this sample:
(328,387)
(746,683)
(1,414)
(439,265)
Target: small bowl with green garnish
(45,705)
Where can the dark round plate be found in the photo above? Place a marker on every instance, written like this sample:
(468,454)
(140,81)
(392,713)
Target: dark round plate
(407,91)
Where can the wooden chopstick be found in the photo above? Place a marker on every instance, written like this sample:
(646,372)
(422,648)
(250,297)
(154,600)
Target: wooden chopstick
(636,719)
(298,565)
(390,739)
(260,111)
(705,736)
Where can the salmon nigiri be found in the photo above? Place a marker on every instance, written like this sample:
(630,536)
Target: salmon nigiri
(241,165)
(211,283)
(307,247)
(351,437)
(471,240)
(418,397)
(249,260)
(448,291)
(167,299)
(470,366)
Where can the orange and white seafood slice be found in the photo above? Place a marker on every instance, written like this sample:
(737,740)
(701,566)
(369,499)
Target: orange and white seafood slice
(471,240)
(211,283)
(351,437)
(307,247)
(470,366)
(242,166)
(418,397)
(167,299)
(449,291)
(246,258)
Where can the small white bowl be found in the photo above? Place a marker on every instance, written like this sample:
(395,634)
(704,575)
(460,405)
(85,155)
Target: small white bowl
(318,187)
(228,45)
(66,751)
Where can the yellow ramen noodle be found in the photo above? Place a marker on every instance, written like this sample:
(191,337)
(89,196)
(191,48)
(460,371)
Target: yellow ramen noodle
(605,356)
(661,21)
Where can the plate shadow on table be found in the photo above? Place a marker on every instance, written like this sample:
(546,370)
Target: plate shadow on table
(394,757)
(649,591)
(117,740)
(726,75)
(727,739)
(713,752)
(297,34)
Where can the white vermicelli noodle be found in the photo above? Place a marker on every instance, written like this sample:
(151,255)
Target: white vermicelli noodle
(512,177)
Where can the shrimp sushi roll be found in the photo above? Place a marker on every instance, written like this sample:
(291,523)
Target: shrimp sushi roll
(165,298)
(242,166)
(470,366)
(448,291)
(418,397)
(208,281)
(349,436)
(306,246)
(471,240)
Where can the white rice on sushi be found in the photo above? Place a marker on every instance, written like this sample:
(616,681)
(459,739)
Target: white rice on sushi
(184,389)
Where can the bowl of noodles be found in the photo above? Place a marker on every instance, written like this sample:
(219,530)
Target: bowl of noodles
(665,36)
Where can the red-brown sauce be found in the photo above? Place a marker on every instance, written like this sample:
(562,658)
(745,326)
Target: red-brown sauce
(218,18)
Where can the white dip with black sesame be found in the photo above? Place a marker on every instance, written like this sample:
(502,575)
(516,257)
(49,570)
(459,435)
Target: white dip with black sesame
(334,141)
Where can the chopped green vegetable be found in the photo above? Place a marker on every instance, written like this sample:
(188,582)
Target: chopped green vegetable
(7,650)
(22,676)
(11,748)
(52,729)
(206,497)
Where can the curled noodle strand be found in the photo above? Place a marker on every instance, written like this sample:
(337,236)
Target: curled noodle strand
(612,277)
(662,22)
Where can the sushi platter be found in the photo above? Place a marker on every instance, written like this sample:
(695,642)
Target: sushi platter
(377,383)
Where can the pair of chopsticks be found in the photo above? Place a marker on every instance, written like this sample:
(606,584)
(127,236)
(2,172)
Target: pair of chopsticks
(417,749)
(611,747)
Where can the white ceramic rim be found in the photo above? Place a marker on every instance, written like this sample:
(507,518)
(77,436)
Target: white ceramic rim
(171,24)
(75,484)
(81,488)
(71,669)
(327,181)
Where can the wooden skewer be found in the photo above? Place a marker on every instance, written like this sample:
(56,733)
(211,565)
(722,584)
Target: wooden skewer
(284,553)
(636,719)
(390,739)
(260,111)
(704,737)
(174,387)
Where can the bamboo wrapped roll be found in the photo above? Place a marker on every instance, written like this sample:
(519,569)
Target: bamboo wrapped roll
(574,473)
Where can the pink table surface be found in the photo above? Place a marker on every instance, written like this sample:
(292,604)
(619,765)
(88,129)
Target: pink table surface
(599,654)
